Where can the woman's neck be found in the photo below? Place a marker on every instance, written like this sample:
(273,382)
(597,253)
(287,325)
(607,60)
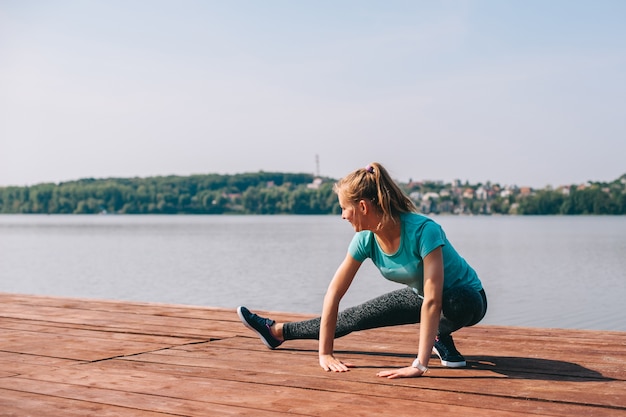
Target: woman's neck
(388,236)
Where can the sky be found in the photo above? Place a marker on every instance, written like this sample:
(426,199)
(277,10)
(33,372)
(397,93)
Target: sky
(526,92)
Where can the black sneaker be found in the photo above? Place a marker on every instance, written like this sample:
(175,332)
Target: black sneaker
(445,349)
(260,325)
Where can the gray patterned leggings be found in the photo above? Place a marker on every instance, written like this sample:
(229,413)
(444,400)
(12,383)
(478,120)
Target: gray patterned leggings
(462,306)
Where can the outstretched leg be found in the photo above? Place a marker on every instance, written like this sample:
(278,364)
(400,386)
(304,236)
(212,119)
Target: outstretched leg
(398,307)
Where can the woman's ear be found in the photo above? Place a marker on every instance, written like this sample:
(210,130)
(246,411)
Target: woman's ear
(363,206)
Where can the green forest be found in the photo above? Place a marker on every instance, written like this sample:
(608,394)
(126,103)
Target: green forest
(256,193)
(292,193)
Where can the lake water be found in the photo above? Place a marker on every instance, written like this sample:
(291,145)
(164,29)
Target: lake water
(552,271)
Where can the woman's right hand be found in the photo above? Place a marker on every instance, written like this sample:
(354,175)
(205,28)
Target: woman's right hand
(330,363)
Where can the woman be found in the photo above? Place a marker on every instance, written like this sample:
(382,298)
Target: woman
(443,293)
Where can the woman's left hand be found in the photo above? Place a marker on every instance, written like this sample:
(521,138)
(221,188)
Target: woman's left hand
(408,372)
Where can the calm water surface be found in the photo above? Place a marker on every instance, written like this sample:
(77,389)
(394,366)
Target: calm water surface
(567,272)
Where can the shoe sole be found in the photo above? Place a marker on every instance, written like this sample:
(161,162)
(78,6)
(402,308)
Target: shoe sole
(245,323)
(449,364)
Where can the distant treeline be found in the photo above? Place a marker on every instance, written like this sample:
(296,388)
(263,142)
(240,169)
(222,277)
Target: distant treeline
(286,193)
(251,193)
(597,198)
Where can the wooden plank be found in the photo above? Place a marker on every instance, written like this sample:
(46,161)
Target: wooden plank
(13,364)
(133,307)
(71,347)
(82,331)
(19,404)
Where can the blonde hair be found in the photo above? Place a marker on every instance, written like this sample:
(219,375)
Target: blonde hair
(375,184)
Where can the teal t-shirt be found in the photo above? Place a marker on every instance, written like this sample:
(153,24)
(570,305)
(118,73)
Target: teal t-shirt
(420,235)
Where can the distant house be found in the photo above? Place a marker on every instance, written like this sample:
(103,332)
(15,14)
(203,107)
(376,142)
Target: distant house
(430,196)
(481,193)
(429,203)
(315,184)
(415,196)
(525,191)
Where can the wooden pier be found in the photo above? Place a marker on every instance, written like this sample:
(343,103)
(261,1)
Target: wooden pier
(80,357)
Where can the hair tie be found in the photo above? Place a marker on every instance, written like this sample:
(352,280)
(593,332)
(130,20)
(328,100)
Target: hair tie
(369,169)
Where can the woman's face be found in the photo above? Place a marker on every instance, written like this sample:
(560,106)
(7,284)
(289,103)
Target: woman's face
(351,212)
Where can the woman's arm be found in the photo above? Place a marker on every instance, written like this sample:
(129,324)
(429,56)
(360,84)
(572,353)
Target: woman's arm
(430,314)
(336,290)
(431,307)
